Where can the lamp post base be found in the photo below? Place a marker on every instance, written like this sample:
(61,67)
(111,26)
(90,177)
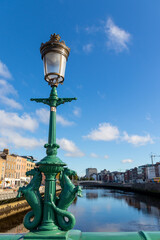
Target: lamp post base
(55,234)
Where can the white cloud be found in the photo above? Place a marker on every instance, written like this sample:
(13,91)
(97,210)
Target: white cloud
(127,160)
(18,141)
(13,120)
(77,112)
(7,89)
(43,115)
(4,72)
(10,102)
(106,156)
(118,38)
(70,147)
(3,143)
(94,155)
(12,127)
(88,48)
(137,140)
(63,121)
(105,132)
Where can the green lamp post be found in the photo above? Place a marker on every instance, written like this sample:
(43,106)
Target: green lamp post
(51,220)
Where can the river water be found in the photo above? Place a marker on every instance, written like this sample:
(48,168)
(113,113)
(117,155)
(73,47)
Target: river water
(106,210)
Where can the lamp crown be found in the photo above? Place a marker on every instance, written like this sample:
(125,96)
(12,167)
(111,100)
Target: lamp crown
(55,37)
(54,44)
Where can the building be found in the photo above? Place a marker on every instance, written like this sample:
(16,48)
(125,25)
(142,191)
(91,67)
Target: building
(157,169)
(134,175)
(126,176)
(2,168)
(21,178)
(30,162)
(151,173)
(102,175)
(141,173)
(10,171)
(13,168)
(93,176)
(90,171)
(119,177)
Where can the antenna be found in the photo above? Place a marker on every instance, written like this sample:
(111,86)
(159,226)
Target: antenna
(153,157)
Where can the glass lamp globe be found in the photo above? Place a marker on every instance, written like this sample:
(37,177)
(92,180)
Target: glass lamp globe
(54,54)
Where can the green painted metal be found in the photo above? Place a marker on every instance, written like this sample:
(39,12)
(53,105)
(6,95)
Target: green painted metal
(11,236)
(55,220)
(33,197)
(67,196)
(78,235)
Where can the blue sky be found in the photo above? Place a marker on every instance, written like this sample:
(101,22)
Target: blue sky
(113,70)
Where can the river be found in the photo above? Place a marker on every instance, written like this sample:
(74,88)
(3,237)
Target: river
(106,210)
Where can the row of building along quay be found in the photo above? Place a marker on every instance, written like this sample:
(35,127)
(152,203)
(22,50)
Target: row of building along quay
(13,169)
(140,174)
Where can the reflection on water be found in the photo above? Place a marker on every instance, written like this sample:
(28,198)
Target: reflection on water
(106,210)
(103,210)
(91,195)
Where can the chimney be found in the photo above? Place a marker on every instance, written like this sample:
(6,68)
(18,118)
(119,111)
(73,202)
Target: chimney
(6,151)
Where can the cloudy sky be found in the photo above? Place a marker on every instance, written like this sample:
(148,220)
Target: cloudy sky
(113,70)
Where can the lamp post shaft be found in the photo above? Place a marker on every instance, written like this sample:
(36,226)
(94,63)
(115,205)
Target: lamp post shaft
(51,165)
(48,222)
(52,126)
(52,121)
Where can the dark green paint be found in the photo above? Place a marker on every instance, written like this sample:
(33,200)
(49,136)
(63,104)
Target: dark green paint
(33,197)
(52,213)
(78,235)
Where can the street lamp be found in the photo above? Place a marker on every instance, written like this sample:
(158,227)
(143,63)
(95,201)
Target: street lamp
(54,54)
(51,218)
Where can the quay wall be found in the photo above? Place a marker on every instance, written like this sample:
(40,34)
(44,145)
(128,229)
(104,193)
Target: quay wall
(17,206)
(144,188)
